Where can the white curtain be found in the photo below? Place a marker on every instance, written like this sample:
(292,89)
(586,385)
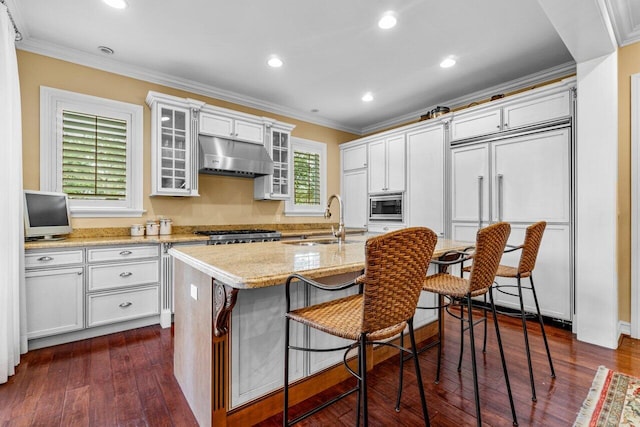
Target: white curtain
(11,223)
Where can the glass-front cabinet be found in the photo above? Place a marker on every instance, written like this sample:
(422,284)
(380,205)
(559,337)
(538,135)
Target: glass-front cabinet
(276,186)
(173,145)
(173,155)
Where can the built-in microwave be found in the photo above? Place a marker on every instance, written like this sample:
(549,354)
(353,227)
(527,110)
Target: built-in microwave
(386,207)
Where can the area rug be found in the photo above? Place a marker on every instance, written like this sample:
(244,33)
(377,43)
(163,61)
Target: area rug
(613,400)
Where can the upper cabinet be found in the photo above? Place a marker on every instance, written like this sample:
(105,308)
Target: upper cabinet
(526,110)
(232,128)
(386,164)
(354,158)
(173,145)
(278,144)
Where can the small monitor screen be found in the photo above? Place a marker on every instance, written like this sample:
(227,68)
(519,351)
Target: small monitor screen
(47,210)
(46,215)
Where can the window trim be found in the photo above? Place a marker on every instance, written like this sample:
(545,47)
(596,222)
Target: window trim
(306,145)
(52,102)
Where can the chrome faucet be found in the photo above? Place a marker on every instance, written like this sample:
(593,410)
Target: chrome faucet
(340,233)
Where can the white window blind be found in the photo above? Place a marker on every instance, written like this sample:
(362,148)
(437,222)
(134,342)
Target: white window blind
(306,186)
(94,157)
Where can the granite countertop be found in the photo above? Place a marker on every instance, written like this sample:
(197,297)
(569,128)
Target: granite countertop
(270,263)
(184,234)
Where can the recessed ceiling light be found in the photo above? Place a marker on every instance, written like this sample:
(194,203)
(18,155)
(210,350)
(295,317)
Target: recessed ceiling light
(367,97)
(116,4)
(274,62)
(106,50)
(388,20)
(448,62)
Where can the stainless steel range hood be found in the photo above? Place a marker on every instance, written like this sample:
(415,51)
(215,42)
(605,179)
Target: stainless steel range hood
(219,156)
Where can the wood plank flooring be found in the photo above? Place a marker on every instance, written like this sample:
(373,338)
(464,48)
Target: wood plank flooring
(126,379)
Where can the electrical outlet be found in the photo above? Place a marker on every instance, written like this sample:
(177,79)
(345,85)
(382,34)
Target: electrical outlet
(194,292)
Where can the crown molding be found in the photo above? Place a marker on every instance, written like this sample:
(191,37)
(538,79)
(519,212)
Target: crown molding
(463,101)
(45,48)
(626,24)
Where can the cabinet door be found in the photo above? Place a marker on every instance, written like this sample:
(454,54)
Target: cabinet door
(173,157)
(249,131)
(532,178)
(216,125)
(475,124)
(551,276)
(280,148)
(395,164)
(354,194)
(470,183)
(257,342)
(425,179)
(377,166)
(55,302)
(354,158)
(537,110)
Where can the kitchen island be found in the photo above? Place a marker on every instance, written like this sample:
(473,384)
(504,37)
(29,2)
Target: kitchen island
(229,324)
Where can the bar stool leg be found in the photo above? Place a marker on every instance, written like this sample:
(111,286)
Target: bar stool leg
(285,412)
(544,335)
(363,378)
(400,383)
(523,315)
(440,331)
(504,363)
(414,350)
(473,363)
(461,336)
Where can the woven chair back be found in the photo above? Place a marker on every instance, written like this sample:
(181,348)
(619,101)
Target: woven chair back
(531,246)
(395,267)
(490,244)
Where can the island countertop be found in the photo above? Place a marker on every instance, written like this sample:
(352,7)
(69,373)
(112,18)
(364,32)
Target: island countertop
(256,265)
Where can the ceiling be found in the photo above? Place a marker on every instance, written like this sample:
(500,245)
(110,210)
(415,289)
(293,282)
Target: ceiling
(333,50)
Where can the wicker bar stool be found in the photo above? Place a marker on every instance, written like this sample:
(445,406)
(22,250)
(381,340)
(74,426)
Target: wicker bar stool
(395,267)
(490,244)
(530,248)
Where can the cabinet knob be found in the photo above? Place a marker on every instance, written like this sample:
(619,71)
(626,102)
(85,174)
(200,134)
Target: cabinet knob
(506,125)
(126,274)
(125,304)
(498,127)
(125,253)
(79,273)
(45,258)
(364,165)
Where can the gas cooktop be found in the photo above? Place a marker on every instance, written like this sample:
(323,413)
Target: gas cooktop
(239,236)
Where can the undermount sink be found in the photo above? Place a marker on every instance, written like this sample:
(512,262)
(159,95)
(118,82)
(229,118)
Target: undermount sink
(313,242)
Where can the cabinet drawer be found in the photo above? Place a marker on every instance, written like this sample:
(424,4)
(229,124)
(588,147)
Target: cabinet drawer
(122,253)
(111,276)
(384,228)
(53,258)
(122,305)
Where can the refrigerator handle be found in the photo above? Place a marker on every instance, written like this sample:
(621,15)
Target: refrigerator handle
(480,200)
(500,196)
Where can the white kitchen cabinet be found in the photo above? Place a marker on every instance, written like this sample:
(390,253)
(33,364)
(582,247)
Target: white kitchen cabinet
(386,164)
(122,283)
(470,183)
(424,202)
(355,198)
(228,126)
(173,145)
(55,301)
(276,186)
(519,111)
(354,158)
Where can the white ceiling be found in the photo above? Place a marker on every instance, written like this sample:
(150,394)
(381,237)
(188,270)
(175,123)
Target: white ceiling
(333,51)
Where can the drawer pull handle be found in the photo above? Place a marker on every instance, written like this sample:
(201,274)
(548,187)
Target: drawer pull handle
(125,304)
(126,274)
(123,253)
(45,258)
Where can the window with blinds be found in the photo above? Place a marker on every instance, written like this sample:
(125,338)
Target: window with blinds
(94,157)
(306,184)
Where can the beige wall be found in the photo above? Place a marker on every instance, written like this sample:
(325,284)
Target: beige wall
(628,64)
(223,200)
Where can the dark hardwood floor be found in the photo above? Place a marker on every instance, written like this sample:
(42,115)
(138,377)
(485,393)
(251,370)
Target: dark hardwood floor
(126,379)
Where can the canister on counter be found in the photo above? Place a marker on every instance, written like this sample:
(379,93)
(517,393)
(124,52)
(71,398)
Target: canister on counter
(152,228)
(165,226)
(137,230)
